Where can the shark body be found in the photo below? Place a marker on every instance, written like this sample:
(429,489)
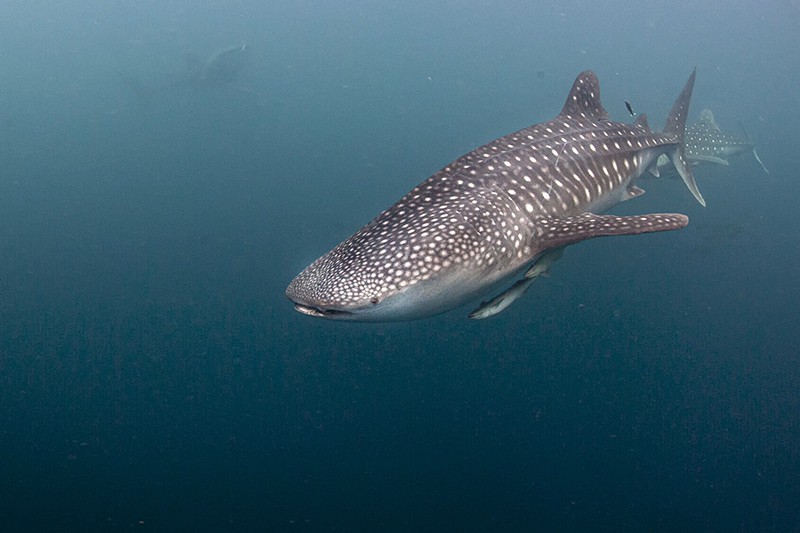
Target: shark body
(481,220)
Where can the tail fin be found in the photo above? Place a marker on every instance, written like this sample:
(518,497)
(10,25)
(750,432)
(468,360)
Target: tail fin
(746,136)
(759,160)
(676,125)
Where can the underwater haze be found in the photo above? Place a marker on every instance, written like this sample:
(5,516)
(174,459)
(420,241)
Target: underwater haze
(167,168)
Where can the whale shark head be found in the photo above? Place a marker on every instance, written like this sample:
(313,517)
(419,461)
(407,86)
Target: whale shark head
(405,264)
(364,302)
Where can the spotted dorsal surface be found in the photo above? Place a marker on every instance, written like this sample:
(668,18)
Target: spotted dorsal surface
(483,218)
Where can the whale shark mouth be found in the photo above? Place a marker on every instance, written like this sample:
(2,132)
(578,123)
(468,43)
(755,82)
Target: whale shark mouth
(319,312)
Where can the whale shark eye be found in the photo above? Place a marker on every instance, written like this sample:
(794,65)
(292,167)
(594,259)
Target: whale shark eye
(374,301)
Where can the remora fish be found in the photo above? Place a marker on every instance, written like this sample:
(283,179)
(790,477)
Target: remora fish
(705,142)
(482,219)
(503,300)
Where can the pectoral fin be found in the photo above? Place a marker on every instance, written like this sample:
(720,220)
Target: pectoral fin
(554,232)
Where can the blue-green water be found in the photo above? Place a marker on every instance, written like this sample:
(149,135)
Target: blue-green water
(154,377)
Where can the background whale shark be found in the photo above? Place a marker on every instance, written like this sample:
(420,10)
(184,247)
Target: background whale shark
(221,67)
(706,143)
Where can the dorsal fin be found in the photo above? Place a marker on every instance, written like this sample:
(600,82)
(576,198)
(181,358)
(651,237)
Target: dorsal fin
(641,122)
(584,98)
(707,120)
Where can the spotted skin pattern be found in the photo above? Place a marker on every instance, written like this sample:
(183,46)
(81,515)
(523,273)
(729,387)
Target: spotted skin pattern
(483,218)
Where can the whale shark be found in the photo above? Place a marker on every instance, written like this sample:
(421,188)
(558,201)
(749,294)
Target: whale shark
(706,143)
(477,223)
(220,68)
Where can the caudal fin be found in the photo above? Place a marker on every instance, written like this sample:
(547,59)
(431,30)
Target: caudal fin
(759,160)
(676,125)
(755,154)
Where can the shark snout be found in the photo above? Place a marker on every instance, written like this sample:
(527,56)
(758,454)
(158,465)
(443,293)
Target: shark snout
(315,294)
